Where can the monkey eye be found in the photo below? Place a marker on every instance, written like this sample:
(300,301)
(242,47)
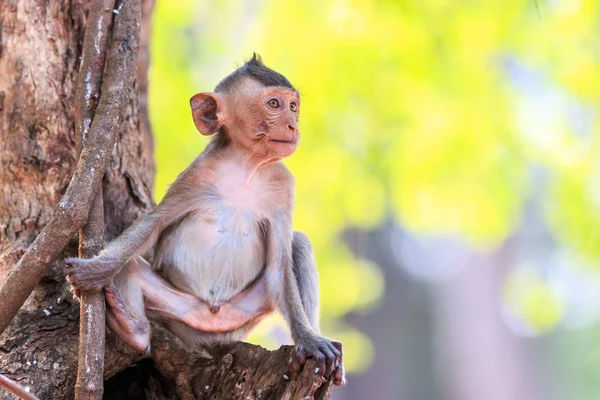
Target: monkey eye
(293,106)
(273,103)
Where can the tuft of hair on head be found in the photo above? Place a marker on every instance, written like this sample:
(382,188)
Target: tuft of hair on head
(255,70)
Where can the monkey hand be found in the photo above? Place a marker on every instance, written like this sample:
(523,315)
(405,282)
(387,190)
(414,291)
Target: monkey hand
(328,354)
(90,273)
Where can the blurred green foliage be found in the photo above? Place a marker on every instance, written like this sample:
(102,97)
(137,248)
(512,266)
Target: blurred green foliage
(409,110)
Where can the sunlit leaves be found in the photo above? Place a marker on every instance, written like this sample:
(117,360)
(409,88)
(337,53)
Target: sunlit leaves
(434,111)
(574,211)
(537,304)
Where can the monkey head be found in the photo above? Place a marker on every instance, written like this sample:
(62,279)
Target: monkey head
(255,109)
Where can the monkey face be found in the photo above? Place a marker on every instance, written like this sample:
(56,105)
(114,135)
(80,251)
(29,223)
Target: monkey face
(276,120)
(261,120)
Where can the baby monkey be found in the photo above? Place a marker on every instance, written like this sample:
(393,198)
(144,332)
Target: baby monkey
(225,254)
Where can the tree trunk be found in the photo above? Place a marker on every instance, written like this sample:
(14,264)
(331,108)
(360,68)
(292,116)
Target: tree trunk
(40,53)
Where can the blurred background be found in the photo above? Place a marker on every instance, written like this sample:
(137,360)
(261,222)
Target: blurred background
(448,177)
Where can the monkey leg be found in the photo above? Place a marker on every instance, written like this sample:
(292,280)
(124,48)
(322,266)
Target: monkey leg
(129,330)
(136,289)
(248,305)
(167,302)
(307,276)
(125,314)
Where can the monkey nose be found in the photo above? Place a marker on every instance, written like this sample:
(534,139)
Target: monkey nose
(292,125)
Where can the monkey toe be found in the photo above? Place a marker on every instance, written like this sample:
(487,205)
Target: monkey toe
(137,339)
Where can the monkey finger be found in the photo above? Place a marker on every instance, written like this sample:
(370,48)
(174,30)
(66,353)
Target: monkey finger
(71,263)
(299,359)
(339,374)
(338,346)
(334,350)
(72,280)
(321,363)
(301,356)
(296,366)
(330,360)
(339,378)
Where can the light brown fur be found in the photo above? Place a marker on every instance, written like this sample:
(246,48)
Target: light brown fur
(225,254)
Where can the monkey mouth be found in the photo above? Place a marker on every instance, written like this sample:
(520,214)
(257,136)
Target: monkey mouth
(293,141)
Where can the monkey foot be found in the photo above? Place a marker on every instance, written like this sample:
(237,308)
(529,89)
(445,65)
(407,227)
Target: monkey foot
(119,319)
(329,355)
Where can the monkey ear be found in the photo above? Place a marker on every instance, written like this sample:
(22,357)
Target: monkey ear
(207,112)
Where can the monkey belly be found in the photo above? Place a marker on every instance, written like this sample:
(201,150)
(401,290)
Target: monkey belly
(213,256)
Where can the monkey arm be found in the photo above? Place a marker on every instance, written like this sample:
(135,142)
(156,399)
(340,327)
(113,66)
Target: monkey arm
(136,240)
(284,288)
(95,273)
(307,276)
(286,291)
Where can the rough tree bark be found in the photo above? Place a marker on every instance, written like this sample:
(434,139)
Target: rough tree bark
(40,54)
(40,49)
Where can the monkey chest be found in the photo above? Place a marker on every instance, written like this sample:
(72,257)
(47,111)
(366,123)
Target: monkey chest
(218,250)
(215,253)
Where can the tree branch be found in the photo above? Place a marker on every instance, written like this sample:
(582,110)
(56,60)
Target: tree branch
(239,371)
(90,379)
(92,313)
(243,368)
(72,211)
(16,389)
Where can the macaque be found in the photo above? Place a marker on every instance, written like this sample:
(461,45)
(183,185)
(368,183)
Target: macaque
(225,254)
